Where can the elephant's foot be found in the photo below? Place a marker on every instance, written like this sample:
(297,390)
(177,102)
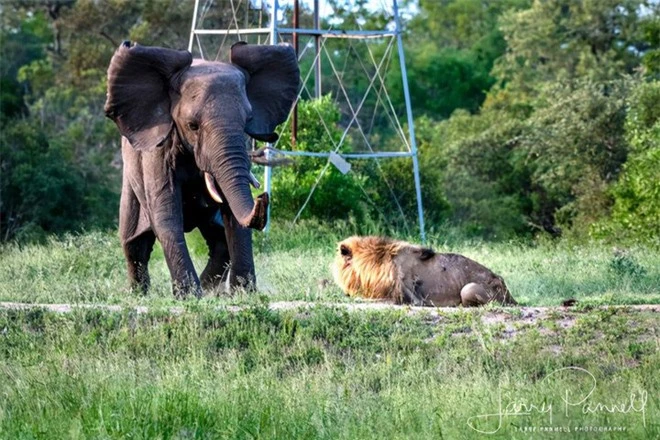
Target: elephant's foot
(211,280)
(245,283)
(137,252)
(188,286)
(140,284)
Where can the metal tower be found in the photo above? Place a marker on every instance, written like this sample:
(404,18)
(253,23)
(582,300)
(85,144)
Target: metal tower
(219,23)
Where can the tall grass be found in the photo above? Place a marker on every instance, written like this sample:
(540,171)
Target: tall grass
(322,374)
(293,264)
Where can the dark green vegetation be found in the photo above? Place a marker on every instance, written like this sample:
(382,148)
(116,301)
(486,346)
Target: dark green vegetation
(324,373)
(533,118)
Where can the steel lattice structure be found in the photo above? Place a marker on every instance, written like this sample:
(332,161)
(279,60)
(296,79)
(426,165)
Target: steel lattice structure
(264,22)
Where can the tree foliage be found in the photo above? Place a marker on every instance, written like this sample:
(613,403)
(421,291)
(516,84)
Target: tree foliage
(532,116)
(550,141)
(59,153)
(636,210)
(335,194)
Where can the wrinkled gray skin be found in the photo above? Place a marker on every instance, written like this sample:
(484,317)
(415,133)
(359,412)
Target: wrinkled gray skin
(180,119)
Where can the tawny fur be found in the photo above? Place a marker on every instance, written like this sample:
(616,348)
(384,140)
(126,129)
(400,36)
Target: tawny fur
(386,269)
(370,272)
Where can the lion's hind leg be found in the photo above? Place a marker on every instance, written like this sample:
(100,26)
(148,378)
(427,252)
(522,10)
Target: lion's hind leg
(473,295)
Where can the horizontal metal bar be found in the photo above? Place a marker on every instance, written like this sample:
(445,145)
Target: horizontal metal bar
(338,33)
(231,31)
(384,154)
(289,31)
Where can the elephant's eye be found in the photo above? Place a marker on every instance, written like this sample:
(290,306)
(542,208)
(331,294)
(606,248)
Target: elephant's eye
(193,126)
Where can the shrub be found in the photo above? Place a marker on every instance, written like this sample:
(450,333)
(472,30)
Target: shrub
(636,210)
(42,189)
(337,196)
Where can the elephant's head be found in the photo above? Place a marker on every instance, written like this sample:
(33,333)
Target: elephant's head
(156,95)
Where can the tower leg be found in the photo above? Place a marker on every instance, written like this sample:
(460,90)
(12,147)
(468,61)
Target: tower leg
(411,122)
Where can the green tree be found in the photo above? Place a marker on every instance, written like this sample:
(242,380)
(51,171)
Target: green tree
(451,46)
(559,41)
(574,148)
(23,39)
(59,153)
(486,181)
(43,190)
(636,210)
(549,141)
(651,34)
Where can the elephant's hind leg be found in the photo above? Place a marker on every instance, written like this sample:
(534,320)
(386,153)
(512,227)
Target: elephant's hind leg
(473,294)
(137,252)
(137,239)
(217,268)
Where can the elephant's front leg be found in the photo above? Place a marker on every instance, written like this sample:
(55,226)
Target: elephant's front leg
(167,223)
(218,265)
(239,242)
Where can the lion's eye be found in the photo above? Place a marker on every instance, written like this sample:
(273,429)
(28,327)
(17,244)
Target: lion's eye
(193,126)
(345,252)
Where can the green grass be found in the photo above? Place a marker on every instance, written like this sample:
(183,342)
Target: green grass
(291,265)
(325,373)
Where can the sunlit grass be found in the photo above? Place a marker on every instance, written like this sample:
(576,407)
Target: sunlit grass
(323,374)
(207,372)
(293,264)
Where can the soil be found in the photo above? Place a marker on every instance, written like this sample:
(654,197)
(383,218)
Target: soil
(564,316)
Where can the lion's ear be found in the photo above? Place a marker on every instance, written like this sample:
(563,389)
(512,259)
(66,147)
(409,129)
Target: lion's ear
(426,254)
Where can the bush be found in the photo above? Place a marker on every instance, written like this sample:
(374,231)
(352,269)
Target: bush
(548,172)
(574,147)
(486,182)
(636,210)
(42,189)
(337,196)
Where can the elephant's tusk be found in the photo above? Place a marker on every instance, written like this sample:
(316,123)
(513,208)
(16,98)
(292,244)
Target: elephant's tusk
(212,189)
(254,181)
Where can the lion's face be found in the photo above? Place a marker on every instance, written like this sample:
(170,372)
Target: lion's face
(341,267)
(344,255)
(362,266)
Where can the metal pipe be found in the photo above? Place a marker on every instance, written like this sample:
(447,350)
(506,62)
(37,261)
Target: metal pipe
(328,33)
(411,122)
(317,52)
(385,155)
(194,25)
(268,171)
(294,116)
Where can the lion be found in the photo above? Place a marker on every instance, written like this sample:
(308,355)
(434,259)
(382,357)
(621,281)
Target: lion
(386,269)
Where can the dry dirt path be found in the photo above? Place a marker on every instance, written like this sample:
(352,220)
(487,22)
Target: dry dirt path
(565,316)
(506,323)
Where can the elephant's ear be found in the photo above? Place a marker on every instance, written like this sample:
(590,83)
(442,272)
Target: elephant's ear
(140,79)
(274,79)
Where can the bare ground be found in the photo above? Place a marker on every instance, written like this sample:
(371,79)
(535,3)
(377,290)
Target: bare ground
(508,316)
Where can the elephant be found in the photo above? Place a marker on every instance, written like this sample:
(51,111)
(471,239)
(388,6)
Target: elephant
(183,124)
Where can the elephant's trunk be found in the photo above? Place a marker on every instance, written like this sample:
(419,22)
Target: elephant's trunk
(232,173)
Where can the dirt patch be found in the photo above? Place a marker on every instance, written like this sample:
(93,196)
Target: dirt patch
(564,317)
(504,324)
